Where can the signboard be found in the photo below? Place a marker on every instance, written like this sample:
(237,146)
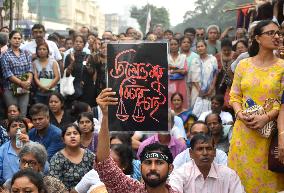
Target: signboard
(138,73)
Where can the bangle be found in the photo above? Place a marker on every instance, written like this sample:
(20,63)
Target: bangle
(281,133)
(236,114)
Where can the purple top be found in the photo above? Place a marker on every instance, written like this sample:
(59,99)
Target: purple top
(175,145)
(93,145)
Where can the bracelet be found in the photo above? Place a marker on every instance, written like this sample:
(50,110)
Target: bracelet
(236,114)
(281,133)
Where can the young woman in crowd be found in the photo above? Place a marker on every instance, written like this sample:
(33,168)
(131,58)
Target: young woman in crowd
(193,67)
(89,138)
(101,67)
(91,39)
(177,71)
(27,181)
(58,116)
(91,71)
(17,72)
(74,65)
(224,59)
(12,112)
(249,150)
(209,71)
(46,73)
(177,101)
(225,76)
(71,163)
(9,160)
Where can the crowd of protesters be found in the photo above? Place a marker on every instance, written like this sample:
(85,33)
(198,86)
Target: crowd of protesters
(55,143)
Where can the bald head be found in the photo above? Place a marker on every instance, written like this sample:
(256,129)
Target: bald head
(198,127)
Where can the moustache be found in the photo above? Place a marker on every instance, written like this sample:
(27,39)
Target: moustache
(153,173)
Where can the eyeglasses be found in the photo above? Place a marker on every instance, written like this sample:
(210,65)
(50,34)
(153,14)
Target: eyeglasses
(272,33)
(31,163)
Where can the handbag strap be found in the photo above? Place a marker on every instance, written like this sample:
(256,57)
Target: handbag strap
(64,73)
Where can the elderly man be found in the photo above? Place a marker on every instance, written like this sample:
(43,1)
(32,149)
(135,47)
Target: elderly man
(213,43)
(202,175)
(156,160)
(221,139)
(199,127)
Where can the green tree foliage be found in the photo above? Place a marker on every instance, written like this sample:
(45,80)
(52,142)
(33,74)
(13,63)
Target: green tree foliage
(209,12)
(158,16)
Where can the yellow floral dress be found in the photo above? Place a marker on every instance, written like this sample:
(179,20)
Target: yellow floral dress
(249,151)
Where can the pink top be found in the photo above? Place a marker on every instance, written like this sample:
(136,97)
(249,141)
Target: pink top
(117,182)
(175,145)
(221,179)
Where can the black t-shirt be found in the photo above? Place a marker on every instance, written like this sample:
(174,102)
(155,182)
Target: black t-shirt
(66,119)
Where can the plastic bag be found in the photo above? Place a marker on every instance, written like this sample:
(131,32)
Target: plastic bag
(66,85)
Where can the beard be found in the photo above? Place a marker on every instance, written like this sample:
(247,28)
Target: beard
(153,183)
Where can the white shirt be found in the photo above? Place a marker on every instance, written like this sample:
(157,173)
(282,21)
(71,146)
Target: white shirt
(184,157)
(225,116)
(221,179)
(53,49)
(178,129)
(90,179)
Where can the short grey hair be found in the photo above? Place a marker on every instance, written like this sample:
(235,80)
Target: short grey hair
(37,150)
(3,38)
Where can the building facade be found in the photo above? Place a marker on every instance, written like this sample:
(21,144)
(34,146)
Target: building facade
(60,15)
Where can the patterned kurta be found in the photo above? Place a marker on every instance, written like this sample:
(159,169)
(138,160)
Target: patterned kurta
(70,173)
(248,154)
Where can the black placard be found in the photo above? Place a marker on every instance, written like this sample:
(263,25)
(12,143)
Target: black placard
(138,72)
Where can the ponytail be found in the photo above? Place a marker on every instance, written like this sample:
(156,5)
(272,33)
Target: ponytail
(254,48)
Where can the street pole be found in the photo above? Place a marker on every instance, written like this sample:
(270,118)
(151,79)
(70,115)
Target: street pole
(11,15)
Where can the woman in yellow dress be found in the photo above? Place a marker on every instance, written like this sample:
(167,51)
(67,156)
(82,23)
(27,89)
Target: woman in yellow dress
(258,77)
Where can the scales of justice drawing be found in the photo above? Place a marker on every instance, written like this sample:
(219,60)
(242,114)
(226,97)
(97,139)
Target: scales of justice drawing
(138,73)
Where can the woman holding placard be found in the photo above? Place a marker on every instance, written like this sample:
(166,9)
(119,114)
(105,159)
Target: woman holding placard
(46,73)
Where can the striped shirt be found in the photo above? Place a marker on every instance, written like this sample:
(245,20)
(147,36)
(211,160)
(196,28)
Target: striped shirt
(13,65)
